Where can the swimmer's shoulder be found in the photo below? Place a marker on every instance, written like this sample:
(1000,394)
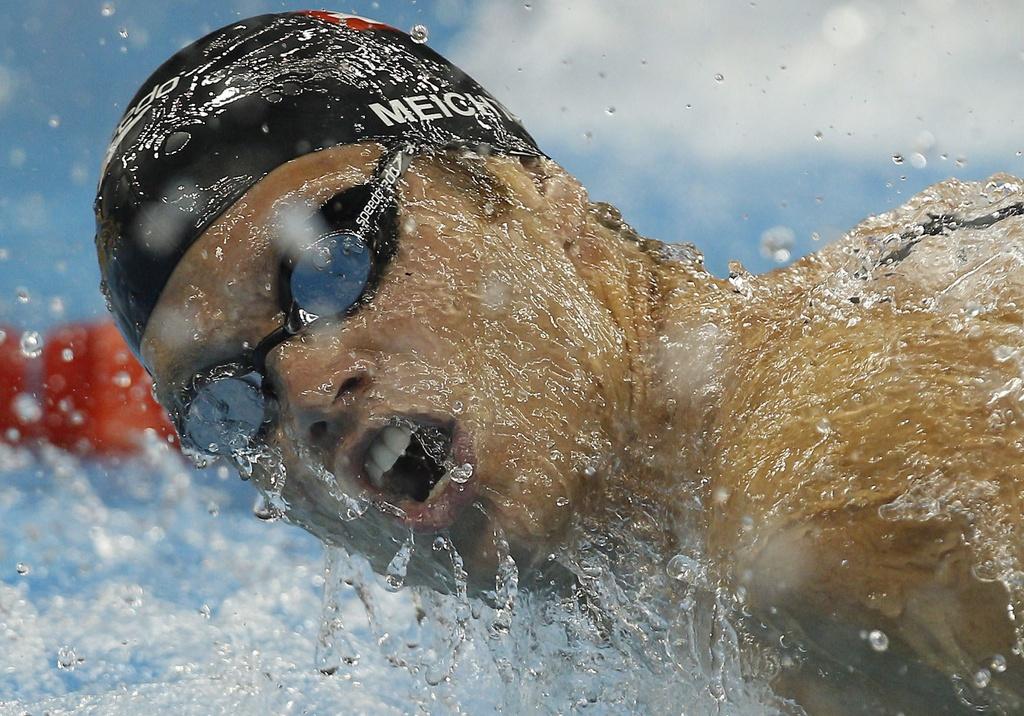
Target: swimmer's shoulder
(954,247)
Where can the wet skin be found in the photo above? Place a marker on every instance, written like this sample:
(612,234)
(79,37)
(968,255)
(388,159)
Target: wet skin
(515,315)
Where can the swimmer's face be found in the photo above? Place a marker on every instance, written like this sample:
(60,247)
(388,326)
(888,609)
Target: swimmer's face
(468,397)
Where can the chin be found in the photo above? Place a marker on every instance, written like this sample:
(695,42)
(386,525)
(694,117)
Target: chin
(416,477)
(454,515)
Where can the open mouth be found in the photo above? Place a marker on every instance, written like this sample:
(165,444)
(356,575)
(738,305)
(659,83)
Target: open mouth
(420,470)
(409,461)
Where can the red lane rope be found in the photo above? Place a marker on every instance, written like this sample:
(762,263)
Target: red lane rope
(84,393)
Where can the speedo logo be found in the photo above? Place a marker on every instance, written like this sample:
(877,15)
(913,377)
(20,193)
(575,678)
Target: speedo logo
(425,107)
(134,115)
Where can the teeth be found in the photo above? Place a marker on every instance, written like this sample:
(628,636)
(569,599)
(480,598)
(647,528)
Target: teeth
(440,486)
(397,438)
(385,451)
(375,473)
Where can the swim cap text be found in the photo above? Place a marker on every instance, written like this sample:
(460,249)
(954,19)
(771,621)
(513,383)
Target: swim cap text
(424,108)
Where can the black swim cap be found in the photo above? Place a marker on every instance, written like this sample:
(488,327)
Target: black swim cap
(225,111)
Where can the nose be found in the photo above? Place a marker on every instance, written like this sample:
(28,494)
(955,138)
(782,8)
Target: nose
(321,392)
(326,424)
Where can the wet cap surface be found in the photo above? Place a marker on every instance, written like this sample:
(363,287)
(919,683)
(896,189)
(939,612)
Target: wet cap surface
(228,109)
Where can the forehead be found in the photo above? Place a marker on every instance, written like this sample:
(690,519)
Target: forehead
(221,297)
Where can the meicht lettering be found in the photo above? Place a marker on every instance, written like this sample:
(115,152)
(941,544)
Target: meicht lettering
(424,108)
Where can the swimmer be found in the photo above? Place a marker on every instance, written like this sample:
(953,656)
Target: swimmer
(350,270)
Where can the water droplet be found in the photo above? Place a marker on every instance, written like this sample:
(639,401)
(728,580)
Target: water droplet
(458,407)
(685,569)
(982,678)
(562,501)
(527,6)
(460,475)
(719,77)
(204,611)
(918,160)
(394,575)
(878,640)
(67,355)
(824,426)
(176,141)
(22,568)
(27,408)
(610,111)
(819,136)
(53,121)
(122,379)
(998,663)
(777,243)
(419,34)
(31,344)
(269,506)
(961,161)
(897,158)
(815,236)
(107,9)
(739,279)
(123,32)
(67,660)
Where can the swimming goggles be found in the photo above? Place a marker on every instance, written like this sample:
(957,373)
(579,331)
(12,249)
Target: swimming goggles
(225,407)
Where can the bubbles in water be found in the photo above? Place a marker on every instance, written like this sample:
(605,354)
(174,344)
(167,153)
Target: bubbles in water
(777,243)
(107,9)
(123,32)
(998,663)
(982,678)
(719,77)
(31,344)
(419,34)
(878,640)
(22,568)
(897,159)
